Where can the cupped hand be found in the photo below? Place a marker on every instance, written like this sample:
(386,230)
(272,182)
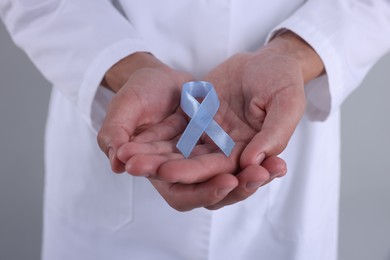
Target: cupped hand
(148,92)
(262,101)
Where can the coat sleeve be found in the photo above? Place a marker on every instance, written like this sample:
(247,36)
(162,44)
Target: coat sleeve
(350,36)
(72,42)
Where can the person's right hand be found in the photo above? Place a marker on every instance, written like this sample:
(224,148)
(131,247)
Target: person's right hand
(147,92)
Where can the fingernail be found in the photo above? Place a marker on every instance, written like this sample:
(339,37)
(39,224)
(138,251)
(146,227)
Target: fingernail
(223,192)
(280,174)
(260,158)
(110,153)
(254,185)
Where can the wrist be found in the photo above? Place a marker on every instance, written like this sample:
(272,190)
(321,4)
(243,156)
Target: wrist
(293,46)
(121,71)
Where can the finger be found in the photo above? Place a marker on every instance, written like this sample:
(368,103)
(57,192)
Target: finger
(250,179)
(283,114)
(276,166)
(110,139)
(184,197)
(128,150)
(145,159)
(118,127)
(148,164)
(199,167)
(166,130)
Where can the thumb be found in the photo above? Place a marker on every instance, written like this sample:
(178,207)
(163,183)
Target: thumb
(118,127)
(283,113)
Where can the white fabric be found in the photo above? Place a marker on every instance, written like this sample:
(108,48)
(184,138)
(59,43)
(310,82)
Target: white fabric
(91,213)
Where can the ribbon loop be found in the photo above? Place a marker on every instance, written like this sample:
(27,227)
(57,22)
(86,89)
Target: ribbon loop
(201,115)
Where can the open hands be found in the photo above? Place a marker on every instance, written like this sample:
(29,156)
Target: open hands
(262,100)
(260,108)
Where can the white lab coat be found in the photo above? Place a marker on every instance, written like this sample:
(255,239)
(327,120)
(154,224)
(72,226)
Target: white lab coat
(91,213)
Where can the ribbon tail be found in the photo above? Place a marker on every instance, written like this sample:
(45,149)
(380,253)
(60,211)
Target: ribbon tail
(220,137)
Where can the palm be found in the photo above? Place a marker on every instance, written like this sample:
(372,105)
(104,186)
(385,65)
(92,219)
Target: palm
(157,94)
(148,97)
(260,96)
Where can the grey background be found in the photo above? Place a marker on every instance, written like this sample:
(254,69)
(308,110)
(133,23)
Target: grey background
(365,191)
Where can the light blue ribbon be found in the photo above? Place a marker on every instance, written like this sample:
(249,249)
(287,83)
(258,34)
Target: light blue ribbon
(201,118)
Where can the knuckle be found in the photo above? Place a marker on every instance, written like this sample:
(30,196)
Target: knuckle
(100,137)
(179,206)
(176,203)
(280,145)
(210,201)
(103,141)
(242,194)
(213,207)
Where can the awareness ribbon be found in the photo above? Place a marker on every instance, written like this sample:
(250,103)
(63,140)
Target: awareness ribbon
(201,118)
